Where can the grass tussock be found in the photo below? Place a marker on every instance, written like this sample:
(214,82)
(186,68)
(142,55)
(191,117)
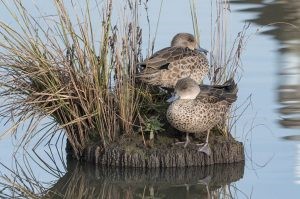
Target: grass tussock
(61,66)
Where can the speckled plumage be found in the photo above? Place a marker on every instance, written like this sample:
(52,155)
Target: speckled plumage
(195,116)
(165,67)
(205,111)
(200,108)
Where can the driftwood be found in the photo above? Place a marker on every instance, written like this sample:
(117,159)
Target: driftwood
(130,152)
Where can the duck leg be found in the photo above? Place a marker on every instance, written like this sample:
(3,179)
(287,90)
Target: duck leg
(206,149)
(187,141)
(205,181)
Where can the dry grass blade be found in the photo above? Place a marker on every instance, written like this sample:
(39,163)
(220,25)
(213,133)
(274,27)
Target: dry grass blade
(193,9)
(225,56)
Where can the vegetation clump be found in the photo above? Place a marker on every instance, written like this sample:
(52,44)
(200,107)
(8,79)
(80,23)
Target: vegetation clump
(60,66)
(79,73)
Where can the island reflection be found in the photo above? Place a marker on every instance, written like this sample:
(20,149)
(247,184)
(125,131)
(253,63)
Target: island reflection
(88,181)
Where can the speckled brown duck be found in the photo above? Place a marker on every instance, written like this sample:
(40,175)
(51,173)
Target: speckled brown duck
(183,59)
(197,109)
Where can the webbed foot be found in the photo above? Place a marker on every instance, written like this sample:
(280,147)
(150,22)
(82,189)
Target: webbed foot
(184,143)
(205,149)
(187,141)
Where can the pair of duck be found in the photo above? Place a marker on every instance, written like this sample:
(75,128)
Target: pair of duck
(194,108)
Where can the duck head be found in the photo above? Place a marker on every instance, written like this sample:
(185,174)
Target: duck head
(187,40)
(184,40)
(185,88)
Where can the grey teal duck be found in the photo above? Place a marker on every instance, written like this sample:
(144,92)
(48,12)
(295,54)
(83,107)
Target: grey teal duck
(183,59)
(197,109)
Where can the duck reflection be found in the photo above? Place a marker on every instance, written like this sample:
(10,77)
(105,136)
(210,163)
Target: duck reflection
(283,20)
(88,181)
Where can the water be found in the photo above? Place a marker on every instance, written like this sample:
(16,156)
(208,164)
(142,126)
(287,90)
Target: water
(268,128)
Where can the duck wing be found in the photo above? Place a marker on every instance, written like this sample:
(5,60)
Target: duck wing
(162,58)
(209,98)
(216,93)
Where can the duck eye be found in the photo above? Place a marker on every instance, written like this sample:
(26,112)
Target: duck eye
(184,87)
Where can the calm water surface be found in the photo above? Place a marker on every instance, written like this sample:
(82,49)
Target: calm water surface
(268,128)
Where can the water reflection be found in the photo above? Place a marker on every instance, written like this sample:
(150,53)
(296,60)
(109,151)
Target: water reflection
(88,181)
(283,20)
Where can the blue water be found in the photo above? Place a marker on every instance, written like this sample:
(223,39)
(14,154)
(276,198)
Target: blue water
(272,168)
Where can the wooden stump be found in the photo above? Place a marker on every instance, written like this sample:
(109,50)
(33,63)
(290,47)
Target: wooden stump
(128,152)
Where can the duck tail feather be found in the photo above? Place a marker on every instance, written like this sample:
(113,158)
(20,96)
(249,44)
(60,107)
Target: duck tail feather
(230,86)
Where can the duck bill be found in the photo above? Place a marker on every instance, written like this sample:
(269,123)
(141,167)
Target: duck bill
(173,98)
(202,50)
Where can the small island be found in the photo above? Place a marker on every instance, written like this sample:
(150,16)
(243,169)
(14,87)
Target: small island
(130,151)
(66,75)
